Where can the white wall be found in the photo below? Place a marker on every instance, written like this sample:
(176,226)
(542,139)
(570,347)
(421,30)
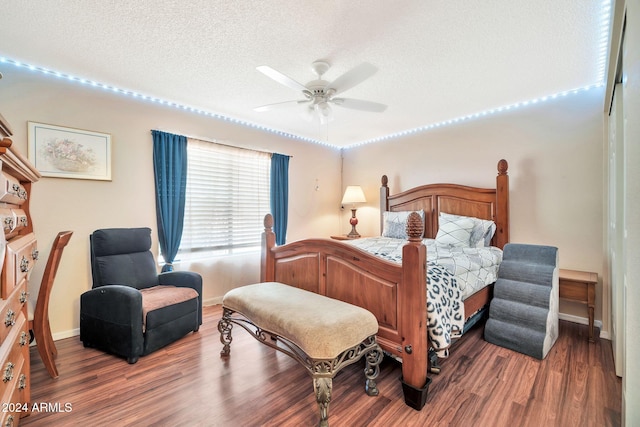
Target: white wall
(128,200)
(554,150)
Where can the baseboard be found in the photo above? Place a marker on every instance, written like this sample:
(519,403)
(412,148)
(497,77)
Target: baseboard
(584,321)
(218,300)
(562,316)
(212,301)
(66,334)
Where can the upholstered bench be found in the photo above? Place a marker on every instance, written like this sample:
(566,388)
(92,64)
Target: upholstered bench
(321,333)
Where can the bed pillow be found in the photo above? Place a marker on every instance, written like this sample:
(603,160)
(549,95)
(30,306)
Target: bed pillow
(482,232)
(394,224)
(454,231)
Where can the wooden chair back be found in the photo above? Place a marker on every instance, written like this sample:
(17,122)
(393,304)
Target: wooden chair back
(40,326)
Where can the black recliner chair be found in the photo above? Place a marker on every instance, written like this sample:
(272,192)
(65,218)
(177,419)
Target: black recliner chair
(132,310)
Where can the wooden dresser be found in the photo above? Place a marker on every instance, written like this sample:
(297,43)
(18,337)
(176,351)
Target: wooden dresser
(18,254)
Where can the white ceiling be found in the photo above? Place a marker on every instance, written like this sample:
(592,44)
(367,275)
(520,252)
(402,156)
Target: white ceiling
(436,60)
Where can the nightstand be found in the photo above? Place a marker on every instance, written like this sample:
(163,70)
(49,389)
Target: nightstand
(344,237)
(580,286)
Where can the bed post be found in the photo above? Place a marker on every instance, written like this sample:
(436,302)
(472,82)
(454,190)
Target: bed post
(267,262)
(502,205)
(384,200)
(413,316)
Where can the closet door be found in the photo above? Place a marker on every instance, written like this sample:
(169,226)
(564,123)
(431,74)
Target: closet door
(616,226)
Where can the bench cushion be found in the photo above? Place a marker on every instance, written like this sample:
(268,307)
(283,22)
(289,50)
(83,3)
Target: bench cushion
(322,327)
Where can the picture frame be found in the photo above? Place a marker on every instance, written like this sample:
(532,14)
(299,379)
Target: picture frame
(64,152)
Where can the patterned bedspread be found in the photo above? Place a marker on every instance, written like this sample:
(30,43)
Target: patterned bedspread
(454,273)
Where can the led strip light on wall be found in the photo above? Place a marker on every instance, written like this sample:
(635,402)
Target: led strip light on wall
(137,95)
(474,116)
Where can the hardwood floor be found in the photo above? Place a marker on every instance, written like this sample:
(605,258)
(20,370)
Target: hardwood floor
(187,384)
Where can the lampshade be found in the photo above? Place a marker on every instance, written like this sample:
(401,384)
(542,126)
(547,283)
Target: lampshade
(353,194)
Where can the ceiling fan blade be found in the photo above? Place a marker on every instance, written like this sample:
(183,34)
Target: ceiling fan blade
(281,78)
(359,104)
(352,77)
(276,105)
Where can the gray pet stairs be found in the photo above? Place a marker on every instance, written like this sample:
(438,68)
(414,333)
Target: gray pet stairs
(523,315)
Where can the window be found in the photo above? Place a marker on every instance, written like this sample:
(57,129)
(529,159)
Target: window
(226,199)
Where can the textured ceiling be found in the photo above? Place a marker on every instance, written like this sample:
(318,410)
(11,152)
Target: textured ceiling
(436,60)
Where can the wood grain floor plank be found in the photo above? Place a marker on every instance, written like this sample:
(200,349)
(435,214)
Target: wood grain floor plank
(188,384)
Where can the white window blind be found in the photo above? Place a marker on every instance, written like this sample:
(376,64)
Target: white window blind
(226,199)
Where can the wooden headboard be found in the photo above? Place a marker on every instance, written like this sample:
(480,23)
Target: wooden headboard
(484,203)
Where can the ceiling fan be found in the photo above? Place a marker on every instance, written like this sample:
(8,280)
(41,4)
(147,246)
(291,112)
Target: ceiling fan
(319,94)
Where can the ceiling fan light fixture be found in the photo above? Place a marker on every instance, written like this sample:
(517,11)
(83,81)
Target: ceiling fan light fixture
(319,94)
(323,108)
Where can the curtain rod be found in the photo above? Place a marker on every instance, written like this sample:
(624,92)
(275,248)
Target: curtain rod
(215,141)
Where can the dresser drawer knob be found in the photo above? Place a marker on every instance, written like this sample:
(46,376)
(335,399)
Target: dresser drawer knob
(22,382)
(35,254)
(24,264)
(24,339)
(10,318)
(23,297)
(9,422)
(8,372)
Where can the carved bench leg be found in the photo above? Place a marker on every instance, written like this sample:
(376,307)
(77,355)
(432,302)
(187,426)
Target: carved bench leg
(371,371)
(224,327)
(322,389)
(322,370)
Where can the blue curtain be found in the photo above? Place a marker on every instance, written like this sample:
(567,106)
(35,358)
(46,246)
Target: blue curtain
(170,168)
(280,195)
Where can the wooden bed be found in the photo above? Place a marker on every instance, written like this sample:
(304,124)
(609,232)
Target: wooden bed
(394,293)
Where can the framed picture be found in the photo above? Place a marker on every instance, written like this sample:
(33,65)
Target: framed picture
(62,152)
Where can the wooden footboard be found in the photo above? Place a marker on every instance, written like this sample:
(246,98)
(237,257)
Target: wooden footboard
(394,293)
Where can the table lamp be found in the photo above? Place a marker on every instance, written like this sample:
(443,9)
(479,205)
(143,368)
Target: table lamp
(352,195)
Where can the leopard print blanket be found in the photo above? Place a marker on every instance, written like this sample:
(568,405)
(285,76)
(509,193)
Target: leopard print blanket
(452,275)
